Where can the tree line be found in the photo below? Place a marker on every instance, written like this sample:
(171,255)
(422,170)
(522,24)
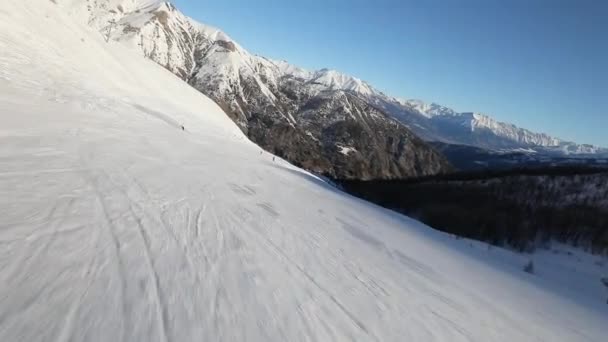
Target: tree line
(521,209)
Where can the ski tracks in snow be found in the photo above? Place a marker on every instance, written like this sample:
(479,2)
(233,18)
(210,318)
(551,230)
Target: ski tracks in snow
(222,254)
(118,226)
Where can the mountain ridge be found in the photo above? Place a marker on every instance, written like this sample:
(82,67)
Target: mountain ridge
(251,87)
(301,119)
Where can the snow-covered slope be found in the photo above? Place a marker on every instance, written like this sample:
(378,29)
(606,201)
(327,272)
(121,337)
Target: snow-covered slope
(118,225)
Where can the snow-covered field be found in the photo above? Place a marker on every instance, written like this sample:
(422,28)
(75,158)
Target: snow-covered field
(117,225)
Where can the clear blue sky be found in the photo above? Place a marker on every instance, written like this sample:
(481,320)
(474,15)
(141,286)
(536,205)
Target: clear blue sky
(541,64)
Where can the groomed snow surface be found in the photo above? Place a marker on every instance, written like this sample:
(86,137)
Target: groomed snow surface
(117,225)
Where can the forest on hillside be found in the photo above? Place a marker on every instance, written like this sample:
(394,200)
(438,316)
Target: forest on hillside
(521,209)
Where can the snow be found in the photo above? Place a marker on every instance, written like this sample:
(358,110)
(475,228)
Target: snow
(501,132)
(117,225)
(428,110)
(346,150)
(476,121)
(339,81)
(325,78)
(517,150)
(292,70)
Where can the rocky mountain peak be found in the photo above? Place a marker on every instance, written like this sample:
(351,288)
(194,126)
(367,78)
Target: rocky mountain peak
(309,117)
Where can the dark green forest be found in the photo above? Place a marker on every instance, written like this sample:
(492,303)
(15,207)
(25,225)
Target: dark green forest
(520,209)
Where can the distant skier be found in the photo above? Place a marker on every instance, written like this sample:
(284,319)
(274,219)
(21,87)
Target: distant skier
(183,128)
(605,282)
(273,158)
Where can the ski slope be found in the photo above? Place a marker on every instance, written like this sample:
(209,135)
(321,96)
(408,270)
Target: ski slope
(117,225)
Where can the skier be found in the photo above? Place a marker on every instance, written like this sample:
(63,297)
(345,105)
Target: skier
(605,282)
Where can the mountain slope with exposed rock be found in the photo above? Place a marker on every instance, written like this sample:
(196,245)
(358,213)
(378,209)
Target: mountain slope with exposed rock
(311,119)
(294,112)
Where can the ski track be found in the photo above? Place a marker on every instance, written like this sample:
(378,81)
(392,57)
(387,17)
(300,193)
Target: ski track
(117,225)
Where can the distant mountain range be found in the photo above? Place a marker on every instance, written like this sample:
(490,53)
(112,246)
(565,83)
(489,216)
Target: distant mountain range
(446,125)
(322,120)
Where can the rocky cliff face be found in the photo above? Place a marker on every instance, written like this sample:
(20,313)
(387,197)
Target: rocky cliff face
(319,120)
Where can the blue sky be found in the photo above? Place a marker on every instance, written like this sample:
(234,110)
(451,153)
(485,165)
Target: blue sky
(542,65)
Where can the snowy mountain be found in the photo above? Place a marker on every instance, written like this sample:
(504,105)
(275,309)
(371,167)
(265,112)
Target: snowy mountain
(253,89)
(307,117)
(437,123)
(133,209)
(316,120)
(483,131)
